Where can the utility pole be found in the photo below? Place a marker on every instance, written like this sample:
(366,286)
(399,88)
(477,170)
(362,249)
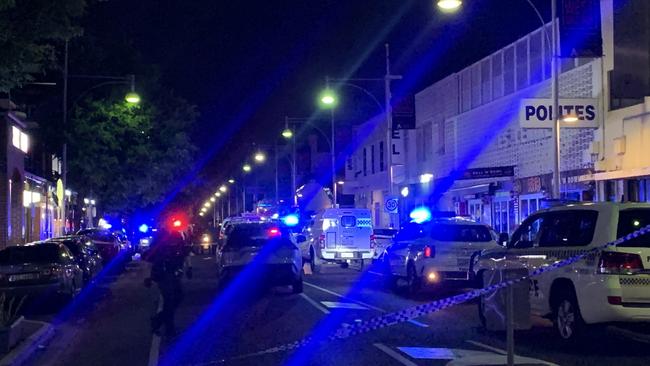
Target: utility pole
(556,104)
(64,164)
(333,149)
(394,218)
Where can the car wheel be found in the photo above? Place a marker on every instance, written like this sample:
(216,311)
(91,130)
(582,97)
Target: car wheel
(566,316)
(296,287)
(313,261)
(412,280)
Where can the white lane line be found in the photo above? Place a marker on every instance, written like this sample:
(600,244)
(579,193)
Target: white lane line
(154,351)
(396,356)
(485,346)
(344,297)
(343,305)
(313,302)
(419,324)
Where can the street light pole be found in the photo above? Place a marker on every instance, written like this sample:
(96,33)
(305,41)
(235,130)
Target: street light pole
(556,104)
(332,150)
(389,130)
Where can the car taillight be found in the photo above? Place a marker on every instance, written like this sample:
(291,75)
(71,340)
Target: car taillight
(321,241)
(429,252)
(373,241)
(274,232)
(619,263)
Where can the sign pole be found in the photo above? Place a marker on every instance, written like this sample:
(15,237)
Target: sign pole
(556,105)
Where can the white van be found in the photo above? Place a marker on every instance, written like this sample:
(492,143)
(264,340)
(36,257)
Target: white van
(339,235)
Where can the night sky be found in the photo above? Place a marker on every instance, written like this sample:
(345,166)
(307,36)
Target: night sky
(247,64)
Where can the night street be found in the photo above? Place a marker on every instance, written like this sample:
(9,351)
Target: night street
(116,331)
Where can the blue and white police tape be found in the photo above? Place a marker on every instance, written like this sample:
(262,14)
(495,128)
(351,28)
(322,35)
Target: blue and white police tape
(414,312)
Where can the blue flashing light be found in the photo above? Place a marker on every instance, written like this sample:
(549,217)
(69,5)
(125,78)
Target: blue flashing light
(143,228)
(420,215)
(291,220)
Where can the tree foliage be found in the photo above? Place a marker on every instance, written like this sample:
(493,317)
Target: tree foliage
(130,157)
(29,32)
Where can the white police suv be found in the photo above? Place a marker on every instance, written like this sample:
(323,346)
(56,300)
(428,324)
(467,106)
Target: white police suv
(610,285)
(435,252)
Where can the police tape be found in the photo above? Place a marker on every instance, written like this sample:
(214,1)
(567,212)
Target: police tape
(414,312)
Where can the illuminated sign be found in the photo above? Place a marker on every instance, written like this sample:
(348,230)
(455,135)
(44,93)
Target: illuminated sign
(574,113)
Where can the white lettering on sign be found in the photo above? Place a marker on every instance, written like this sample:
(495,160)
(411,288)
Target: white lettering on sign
(538,113)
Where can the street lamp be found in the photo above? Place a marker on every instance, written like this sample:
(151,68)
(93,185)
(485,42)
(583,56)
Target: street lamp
(231,181)
(132,97)
(246,168)
(287,133)
(259,157)
(218,194)
(328,98)
(212,199)
(223,188)
(449,5)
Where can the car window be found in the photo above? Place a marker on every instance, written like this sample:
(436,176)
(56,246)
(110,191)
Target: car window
(462,233)
(348,221)
(30,254)
(528,233)
(254,235)
(569,228)
(631,220)
(411,231)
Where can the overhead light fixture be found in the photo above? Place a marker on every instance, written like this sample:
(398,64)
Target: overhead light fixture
(426,178)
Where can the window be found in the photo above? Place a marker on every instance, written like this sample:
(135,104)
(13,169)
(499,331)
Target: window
(522,64)
(19,139)
(486,86)
(631,220)
(382,166)
(462,233)
(528,206)
(365,162)
(528,233)
(372,159)
(441,138)
(476,85)
(501,217)
(509,70)
(536,61)
(569,228)
(348,221)
(497,75)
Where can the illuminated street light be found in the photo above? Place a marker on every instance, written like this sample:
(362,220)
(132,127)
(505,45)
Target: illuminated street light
(132,98)
(287,133)
(86,201)
(259,157)
(231,181)
(218,194)
(340,182)
(223,188)
(92,202)
(246,168)
(207,204)
(201,214)
(328,98)
(68,193)
(449,5)
(212,199)
(426,178)
(405,192)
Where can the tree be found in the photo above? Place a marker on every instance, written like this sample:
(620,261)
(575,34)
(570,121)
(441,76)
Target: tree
(130,157)
(29,31)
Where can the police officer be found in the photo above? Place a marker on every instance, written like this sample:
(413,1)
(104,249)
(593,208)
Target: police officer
(167,257)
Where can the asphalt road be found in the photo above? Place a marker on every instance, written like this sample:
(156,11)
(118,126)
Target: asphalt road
(231,326)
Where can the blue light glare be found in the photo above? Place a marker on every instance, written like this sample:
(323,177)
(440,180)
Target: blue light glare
(291,220)
(143,228)
(420,215)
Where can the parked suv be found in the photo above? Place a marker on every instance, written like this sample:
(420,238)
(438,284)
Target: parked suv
(260,252)
(611,285)
(436,252)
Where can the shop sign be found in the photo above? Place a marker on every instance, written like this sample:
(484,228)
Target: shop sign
(492,172)
(538,113)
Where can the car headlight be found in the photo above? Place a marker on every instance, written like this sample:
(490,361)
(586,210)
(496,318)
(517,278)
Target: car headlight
(206,239)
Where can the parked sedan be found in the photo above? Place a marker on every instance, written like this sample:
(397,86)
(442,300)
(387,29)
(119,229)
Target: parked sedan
(109,246)
(85,253)
(39,269)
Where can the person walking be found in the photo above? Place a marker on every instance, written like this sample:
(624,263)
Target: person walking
(167,256)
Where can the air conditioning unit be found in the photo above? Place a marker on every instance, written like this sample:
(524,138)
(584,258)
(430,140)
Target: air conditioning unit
(619,145)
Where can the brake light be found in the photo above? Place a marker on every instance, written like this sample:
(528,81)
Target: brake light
(619,263)
(373,241)
(429,252)
(321,241)
(274,232)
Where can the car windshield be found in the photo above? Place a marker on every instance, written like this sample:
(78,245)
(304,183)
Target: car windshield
(39,253)
(461,233)
(254,235)
(631,220)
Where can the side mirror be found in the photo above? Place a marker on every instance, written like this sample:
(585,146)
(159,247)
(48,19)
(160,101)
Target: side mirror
(504,238)
(301,238)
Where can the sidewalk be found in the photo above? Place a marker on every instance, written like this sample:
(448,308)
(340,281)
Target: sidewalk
(115,332)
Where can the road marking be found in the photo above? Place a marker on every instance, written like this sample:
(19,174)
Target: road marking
(343,305)
(483,345)
(313,302)
(419,324)
(376,273)
(429,353)
(154,351)
(394,355)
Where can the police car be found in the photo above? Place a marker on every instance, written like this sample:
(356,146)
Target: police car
(435,252)
(610,285)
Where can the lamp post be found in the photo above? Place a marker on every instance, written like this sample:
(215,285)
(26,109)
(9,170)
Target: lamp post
(552,41)
(328,100)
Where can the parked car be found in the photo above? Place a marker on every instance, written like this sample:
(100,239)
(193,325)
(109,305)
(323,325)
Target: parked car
(610,285)
(108,244)
(338,235)
(41,268)
(85,253)
(270,250)
(436,252)
(383,239)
